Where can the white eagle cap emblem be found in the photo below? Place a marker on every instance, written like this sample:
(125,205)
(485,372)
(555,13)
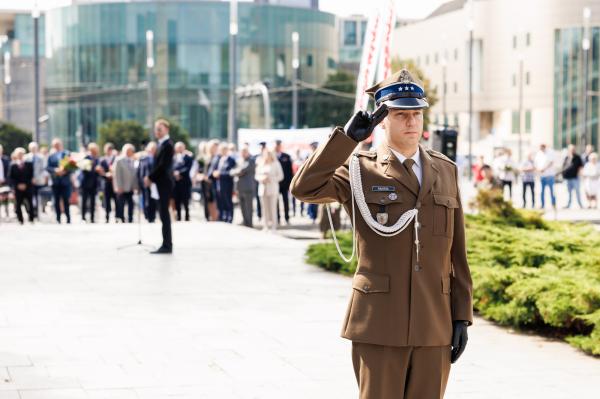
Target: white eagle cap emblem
(405,77)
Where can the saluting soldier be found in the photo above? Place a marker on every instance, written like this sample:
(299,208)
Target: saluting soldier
(411,301)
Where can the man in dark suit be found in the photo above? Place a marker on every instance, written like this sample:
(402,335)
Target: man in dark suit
(61,180)
(284,186)
(4,166)
(213,166)
(162,175)
(104,170)
(89,182)
(146,164)
(183,182)
(4,183)
(21,178)
(225,183)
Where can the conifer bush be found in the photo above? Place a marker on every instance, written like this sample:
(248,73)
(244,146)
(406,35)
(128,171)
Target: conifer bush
(527,272)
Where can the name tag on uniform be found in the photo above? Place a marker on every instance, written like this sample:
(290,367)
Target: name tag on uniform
(383,189)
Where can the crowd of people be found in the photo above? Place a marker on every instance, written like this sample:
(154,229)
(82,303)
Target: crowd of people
(218,174)
(221,176)
(546,167)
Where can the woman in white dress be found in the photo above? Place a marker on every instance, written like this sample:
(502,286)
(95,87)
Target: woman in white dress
(591,180)
(268,175)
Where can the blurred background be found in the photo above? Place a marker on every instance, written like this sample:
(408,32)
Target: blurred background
(531,66)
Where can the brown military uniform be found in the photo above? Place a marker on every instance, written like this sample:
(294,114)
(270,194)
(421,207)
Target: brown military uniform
(400,313)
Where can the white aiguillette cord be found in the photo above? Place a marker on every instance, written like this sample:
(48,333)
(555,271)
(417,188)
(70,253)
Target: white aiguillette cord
(358,196)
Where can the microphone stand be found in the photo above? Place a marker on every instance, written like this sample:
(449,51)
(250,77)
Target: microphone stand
(139,242)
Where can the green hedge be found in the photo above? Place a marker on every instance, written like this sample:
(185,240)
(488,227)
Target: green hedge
(527,273)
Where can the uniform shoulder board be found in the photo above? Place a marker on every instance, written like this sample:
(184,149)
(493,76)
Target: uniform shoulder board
(439,155)
(368,154)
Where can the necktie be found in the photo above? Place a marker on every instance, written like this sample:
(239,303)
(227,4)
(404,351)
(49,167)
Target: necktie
(408,164)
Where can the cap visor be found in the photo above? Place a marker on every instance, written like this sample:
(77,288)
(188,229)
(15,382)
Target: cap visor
(407,103)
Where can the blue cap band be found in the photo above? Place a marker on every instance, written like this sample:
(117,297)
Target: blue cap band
(399,90)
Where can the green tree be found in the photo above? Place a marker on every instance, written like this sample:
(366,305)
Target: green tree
(121,132)
(12,137)
(398,64)
(327,108)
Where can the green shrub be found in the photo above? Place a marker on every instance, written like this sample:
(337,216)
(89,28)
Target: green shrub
(527,272)
(326,256)
(12,137)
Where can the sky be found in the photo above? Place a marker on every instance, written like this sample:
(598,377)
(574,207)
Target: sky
(407,9)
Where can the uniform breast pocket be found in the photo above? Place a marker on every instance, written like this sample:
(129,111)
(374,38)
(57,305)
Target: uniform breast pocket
(385,207)
(443,215)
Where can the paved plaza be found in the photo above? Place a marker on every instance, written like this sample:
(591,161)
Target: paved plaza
(234,313)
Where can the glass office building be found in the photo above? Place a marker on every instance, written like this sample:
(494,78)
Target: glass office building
(96,62)
(569,87)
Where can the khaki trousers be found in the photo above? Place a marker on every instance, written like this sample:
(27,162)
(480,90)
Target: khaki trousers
(407,372)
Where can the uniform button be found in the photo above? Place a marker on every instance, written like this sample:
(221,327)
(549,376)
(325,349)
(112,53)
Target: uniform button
(366,287)
(448,202)
(418,268)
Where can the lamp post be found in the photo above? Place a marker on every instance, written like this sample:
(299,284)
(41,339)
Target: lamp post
(585,45)
(520,148)
(149,74)
(233,32)
(7,82)
(444,66)
(295,66)
(444,88)
(35,14)
(470,27)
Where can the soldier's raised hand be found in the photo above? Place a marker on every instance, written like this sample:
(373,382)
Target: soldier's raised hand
(361,125)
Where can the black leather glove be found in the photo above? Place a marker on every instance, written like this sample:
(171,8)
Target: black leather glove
(459,339)
(361,125)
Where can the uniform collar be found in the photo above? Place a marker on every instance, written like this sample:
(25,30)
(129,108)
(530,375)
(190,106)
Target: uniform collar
(391,167)
(416,157)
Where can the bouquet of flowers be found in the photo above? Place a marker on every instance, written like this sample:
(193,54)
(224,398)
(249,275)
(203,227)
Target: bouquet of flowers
(85,164)
(68,164)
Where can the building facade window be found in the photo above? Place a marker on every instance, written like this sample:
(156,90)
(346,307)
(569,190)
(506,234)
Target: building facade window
(455,54)
(527,81)
(528,121)
(568,86)
(515,122)
(189,86)
(350,33)
(528,39)
(455,87)
(514,41)
(331,64)
(363,30)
